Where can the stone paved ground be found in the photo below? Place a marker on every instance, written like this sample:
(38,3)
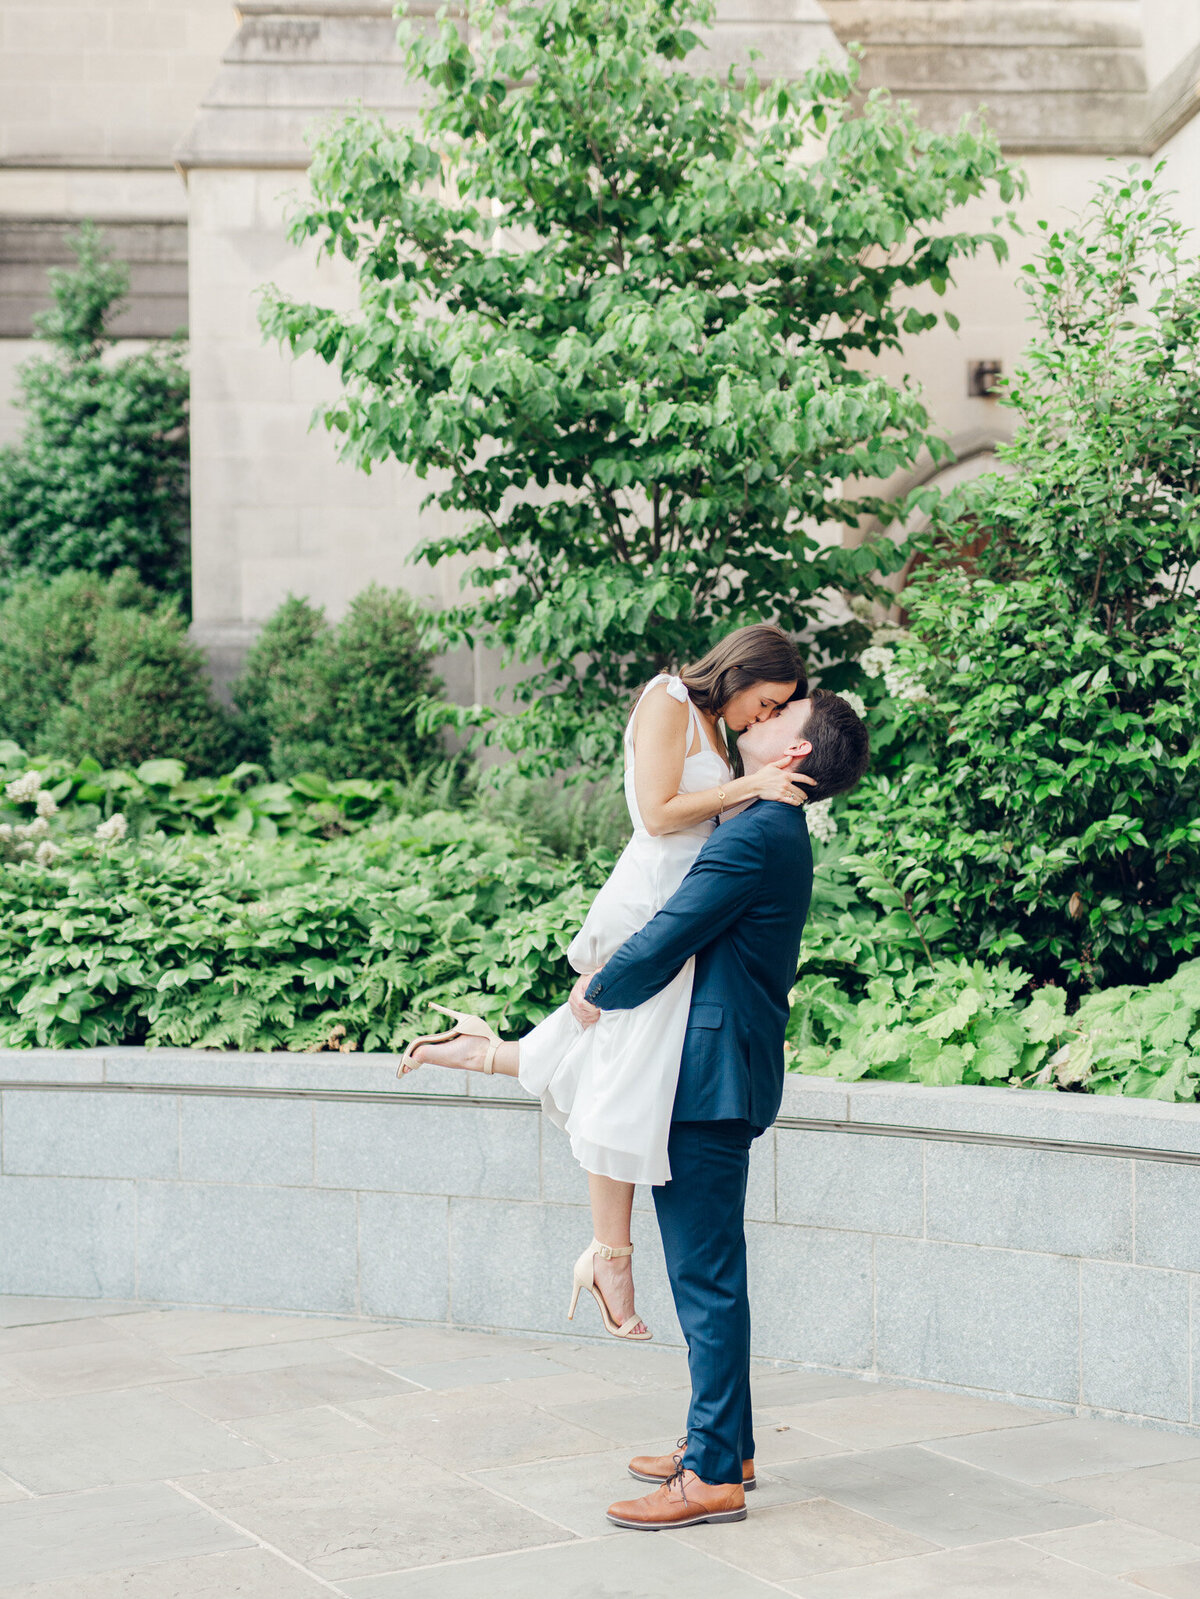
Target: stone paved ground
(191,1454)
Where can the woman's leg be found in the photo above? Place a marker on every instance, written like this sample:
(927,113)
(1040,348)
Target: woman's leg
(612,1202)
(612,1208)
(468,1054)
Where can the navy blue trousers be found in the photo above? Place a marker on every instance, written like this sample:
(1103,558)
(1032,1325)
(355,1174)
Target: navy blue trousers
(701,1216)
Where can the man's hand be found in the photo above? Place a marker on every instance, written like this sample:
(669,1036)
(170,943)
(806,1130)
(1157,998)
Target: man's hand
(586,1015)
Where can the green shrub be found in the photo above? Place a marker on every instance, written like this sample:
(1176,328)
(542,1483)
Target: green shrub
(229,942)
(47,632)
(948,1022)
(105,669)
(341,700)
(958,1022)
(99,479)
(1143,1041)
(159,797)
(1056,676)
(570,822)
(144,693)
(224,940)
(284,640)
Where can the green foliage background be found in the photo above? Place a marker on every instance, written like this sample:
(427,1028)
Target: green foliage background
(1050,813)
(104,667)
(225,941)
(102,670)
(99,478)
(616,311)
(244,913)
(624,337)
(342,699)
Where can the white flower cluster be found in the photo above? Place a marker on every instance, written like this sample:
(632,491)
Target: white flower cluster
(875,660)
(18,840)
(23,788)
(855,701)
(889,633)
(820,823)
(21,839)
(22,830)
(112,831)
(902,684)
(900,681)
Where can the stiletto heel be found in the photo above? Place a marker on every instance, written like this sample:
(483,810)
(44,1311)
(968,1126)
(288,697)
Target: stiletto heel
(585,1277)
(465,1025)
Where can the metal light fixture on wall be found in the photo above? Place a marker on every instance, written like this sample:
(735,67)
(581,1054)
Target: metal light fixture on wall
(983,378)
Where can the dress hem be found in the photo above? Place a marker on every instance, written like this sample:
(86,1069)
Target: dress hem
(599,1160)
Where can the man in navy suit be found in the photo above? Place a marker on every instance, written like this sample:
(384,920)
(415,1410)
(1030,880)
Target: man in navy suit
(740,911)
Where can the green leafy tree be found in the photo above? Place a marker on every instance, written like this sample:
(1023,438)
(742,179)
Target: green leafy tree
(618,312)
(1057,675)
(99,478)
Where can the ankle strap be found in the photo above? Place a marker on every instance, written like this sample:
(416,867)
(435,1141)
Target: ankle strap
(610,1251)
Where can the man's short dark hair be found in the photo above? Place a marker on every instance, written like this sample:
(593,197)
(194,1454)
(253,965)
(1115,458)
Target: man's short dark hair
(840,746)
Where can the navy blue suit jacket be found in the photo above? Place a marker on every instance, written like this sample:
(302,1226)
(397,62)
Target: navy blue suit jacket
(740,911)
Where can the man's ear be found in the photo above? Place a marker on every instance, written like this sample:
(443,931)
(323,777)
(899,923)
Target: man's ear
(799,749)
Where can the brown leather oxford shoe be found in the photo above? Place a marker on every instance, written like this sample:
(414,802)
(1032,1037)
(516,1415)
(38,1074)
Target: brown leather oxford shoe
(657,1468)
(682,1501)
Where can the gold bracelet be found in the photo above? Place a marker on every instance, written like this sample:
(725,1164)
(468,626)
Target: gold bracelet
(721,797)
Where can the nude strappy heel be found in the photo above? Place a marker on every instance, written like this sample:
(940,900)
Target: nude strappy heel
(464,1024)
(585,1277)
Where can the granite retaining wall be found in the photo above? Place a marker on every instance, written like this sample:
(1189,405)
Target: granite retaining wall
(1043,1246)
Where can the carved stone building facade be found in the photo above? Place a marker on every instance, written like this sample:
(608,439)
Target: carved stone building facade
(179,126)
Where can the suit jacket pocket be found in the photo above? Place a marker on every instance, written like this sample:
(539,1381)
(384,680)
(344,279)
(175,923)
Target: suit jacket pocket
(707,1016)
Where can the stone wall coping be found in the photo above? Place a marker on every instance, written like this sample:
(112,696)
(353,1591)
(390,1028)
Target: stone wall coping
(1028,1114)
(1039,1116)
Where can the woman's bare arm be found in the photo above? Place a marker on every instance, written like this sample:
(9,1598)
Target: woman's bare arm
(660,744)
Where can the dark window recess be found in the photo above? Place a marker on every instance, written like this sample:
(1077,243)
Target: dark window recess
(155,252)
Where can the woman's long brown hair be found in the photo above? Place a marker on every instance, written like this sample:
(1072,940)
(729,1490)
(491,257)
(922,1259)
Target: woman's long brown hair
(759,654)
(762,653)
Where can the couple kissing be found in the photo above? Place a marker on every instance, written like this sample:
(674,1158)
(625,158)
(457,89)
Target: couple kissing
(666,1062)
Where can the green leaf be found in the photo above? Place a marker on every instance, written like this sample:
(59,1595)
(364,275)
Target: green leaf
(161,773)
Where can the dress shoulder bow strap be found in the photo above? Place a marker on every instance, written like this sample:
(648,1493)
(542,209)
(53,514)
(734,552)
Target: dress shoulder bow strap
(676,688)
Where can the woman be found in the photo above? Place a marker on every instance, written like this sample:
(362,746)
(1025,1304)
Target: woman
(612,1086)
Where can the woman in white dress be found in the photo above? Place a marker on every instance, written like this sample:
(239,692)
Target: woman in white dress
(611,1087)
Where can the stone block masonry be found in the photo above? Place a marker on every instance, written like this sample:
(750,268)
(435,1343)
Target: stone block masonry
(1032,1246)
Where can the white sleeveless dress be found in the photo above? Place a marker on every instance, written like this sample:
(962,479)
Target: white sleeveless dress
(612,1086)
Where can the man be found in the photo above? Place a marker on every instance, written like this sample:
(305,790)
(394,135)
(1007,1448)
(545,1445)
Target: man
(740,911)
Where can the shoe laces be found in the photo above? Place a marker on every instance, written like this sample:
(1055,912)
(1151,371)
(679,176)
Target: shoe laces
(676,1478)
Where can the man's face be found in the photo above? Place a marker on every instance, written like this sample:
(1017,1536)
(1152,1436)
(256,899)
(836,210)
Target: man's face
(781,735)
